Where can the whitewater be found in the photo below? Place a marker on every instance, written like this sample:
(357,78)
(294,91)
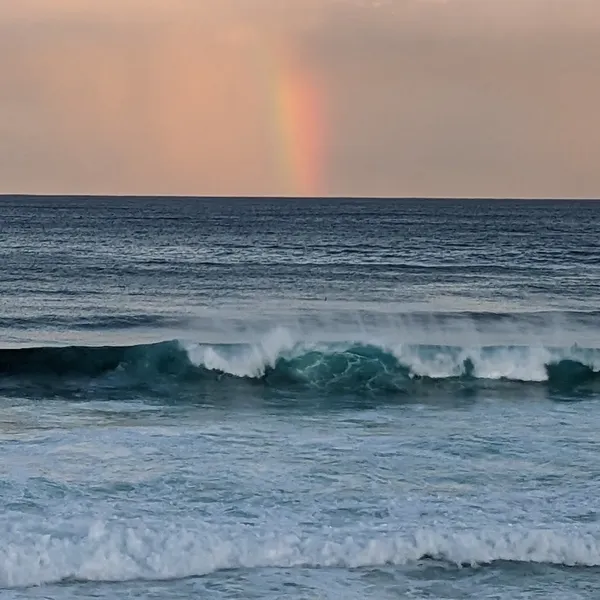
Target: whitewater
(271,398)
(278,360)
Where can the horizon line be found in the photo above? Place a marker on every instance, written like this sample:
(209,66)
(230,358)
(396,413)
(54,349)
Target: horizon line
(289,197)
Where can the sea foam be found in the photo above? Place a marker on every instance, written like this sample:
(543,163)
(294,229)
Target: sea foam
(118,551)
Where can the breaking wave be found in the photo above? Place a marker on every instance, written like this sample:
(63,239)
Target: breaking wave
(117,551)
(280,361)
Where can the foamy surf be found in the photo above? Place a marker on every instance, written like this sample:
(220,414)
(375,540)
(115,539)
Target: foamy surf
(280,359)
(117,551)
(278,348)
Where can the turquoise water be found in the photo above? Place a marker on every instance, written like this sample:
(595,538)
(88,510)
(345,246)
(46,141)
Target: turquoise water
(299,398)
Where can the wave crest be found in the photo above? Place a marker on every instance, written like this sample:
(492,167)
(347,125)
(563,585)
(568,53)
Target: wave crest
(278,360)
(121,552)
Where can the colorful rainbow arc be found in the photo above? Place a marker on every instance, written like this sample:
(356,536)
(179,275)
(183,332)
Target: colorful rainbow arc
(296,100)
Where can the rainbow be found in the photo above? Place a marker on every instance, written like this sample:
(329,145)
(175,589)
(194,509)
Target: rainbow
(297,122)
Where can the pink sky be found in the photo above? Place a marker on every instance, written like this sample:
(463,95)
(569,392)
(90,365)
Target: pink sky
(336,97)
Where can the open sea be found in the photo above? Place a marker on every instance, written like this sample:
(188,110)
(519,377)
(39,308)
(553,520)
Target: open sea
(299,399)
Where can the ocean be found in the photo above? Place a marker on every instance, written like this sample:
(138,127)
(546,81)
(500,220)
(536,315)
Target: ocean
(300,399)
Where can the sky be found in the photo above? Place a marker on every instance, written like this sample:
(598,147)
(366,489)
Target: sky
(418,98)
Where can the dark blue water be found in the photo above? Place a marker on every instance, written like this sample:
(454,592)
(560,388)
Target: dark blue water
(299,398)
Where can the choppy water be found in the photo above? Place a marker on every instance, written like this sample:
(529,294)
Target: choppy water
(299,399)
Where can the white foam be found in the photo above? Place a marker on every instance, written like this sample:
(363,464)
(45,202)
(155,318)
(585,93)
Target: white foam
(251,361)
(526,363)
(517,363)
(116,551)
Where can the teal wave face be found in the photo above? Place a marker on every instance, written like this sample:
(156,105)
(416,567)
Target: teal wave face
(334,368)
(90,361)
(364,368)
(372,369)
